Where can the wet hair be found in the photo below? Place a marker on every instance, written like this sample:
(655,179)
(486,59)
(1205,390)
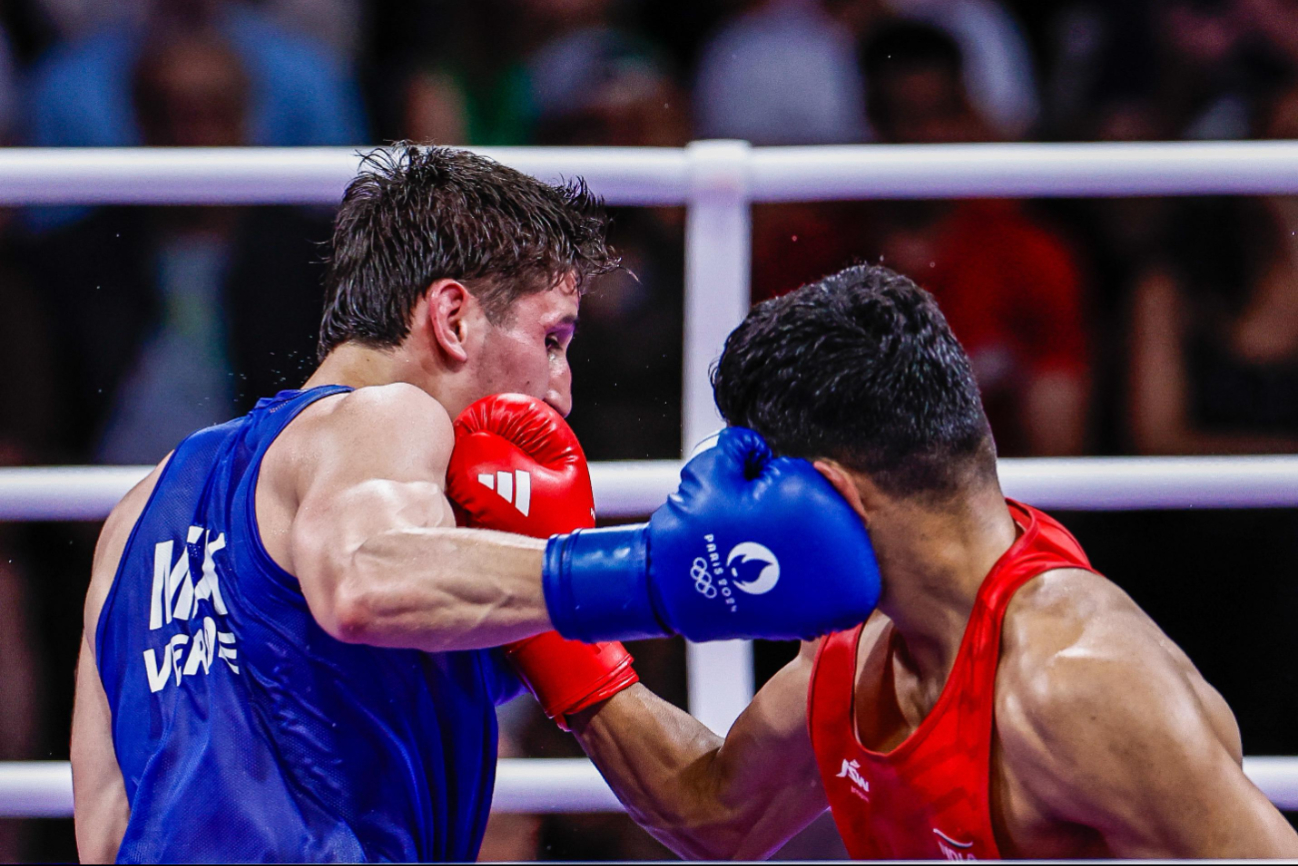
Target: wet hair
(415,215)
(860,367)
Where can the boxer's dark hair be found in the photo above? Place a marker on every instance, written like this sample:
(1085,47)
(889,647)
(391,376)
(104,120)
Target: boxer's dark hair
(860,367)
(415,215)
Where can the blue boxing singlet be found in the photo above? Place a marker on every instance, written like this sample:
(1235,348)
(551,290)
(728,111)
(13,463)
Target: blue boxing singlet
(246,733)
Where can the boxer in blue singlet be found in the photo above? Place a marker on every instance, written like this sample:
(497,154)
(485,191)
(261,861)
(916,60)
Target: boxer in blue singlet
(287,647)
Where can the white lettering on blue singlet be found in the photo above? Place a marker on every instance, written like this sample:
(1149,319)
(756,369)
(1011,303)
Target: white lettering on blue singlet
(175,596)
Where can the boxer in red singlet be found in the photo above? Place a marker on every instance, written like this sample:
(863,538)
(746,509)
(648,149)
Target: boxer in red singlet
(1005,700)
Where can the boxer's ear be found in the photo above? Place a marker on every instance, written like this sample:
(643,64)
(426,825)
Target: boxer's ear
(449,305)
(852,486)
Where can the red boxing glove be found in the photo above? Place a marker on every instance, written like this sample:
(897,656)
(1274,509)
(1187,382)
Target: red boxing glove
(517,467)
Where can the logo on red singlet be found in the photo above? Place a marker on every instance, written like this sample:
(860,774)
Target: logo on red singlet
(950,847)
(852,772)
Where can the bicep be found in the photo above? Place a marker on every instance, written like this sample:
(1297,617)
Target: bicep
(374,466)
(98,792)
(342,543)
(1128,749)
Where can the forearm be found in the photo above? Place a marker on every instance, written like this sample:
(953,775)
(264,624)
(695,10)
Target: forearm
(662,764)
(437,589)
(702,797)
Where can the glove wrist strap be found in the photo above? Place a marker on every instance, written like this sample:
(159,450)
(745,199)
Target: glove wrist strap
(596,585)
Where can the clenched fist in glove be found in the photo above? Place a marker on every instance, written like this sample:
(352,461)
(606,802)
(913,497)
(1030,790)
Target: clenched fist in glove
(517,467)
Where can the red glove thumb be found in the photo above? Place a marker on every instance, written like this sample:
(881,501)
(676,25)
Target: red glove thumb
(517,467)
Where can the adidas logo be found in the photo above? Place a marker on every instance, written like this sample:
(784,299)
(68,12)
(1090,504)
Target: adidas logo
(514,487)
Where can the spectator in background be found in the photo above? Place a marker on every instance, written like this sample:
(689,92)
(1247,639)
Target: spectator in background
(597,86)
(1202,90)
(579,47)
(1214,329)
(500,67)
(1200,84)
(73,19)
(613,93)
(998,70)
(26,429)
(338,26)
(1010,287)
(174,316)
(1213,369)
(332,23)
(785,72)
(469,83)
(80,93)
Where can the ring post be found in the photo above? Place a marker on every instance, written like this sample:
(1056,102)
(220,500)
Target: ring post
(718,251)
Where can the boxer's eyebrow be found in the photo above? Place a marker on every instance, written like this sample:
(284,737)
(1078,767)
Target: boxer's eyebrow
(568,322)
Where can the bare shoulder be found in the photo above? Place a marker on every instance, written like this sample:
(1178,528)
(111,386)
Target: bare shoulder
(1060,608)
(113,536)
(1071,629)
(1088,681)
(1071,637)
(394,431)
(376,414)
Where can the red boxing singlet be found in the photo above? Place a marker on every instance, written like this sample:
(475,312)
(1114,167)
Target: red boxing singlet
(929,797)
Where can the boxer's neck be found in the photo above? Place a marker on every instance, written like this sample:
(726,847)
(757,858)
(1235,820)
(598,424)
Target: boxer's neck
(933,562)
(358,366)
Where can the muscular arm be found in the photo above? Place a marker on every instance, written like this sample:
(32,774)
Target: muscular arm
(703,797)
(369,534)
(98,791)
(1117,732)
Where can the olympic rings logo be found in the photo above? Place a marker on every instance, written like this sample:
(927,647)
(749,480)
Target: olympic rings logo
(702,578)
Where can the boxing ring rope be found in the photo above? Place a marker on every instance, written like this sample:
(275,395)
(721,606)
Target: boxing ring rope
(717,181)
(634,488)
(43,789)
(670,176)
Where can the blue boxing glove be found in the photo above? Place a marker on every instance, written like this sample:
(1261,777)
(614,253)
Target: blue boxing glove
(750,546)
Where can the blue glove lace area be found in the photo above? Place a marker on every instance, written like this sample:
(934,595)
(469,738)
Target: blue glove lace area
(596,585)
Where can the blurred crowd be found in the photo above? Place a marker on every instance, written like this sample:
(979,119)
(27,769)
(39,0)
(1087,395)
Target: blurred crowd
(1112,326)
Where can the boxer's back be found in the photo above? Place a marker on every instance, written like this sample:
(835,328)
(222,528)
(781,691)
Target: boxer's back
(244,731)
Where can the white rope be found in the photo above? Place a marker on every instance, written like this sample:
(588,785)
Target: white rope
(551,785)
(654,176)
(635,488)
(627,489)
(1130,483)
(1021,170)
(298,175)
(43,789)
